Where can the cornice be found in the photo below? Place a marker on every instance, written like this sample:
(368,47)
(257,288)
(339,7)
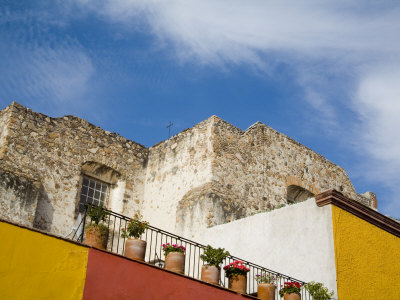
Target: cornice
(360,210)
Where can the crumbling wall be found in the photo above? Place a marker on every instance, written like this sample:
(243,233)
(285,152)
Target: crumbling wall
(257,167)
(19,196)
(176,167)
(4,118)
(210,174)
(56,149)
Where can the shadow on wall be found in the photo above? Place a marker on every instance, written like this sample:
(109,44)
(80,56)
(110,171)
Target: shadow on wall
(44,212)
(296,194)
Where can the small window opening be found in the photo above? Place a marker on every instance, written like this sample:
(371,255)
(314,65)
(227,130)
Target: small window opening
(296,193)
(93,192)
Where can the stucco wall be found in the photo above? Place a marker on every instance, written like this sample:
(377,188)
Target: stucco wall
(295,240)
(56,149)
(36,266)
(114,277)
(367,259)
(175,168)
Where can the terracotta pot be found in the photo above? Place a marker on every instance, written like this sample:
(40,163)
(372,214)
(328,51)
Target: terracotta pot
(175,261)
(292,296)
(210,274)
(135,249)
(266,291)
(238,283)
(94,238)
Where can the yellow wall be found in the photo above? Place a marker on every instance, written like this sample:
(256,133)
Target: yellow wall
(36,266)
(367,259)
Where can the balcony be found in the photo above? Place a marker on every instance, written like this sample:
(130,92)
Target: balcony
(154,255)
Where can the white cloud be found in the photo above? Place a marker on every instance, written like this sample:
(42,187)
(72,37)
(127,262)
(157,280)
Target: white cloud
(237,30)
(356,40)
(377,102)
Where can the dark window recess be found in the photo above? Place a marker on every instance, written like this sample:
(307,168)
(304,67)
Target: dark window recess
(93,192)
(298,194)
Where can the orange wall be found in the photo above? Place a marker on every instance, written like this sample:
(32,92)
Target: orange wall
(114,277)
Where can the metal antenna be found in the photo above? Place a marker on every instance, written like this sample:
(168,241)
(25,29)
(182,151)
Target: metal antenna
(169,128)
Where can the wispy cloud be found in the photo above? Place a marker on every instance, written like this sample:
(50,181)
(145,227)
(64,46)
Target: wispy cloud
(40,69)
(355,40)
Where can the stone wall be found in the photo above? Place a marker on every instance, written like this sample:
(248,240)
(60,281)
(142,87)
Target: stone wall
(176,168)
(207,175)
(56,149)
(19,196)
(258,165)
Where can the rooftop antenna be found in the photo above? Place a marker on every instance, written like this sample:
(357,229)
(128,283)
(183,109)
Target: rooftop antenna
(169,128)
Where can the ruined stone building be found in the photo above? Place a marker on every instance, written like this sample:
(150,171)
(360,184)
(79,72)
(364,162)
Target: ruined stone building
(210,174)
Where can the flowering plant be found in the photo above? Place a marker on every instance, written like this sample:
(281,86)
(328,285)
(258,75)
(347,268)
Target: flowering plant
(236,268)
(135,227)
(266,278)
(167,248)
(289,288)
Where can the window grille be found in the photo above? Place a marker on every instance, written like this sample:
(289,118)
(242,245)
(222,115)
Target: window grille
(93,192)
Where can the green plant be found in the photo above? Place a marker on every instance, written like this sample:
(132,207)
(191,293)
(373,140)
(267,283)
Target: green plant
(167,248)
(96,213)
(266,278)
(98,227)
(214,256)
(135,227)
(236,268)
(290,287)
(318,291)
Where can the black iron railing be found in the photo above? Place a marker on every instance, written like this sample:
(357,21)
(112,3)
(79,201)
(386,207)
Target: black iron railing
(156,237)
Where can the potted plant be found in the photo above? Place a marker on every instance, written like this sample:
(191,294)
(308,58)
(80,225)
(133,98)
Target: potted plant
(135,248)
(290,291)
(174,257)
(237,275)
(96,234)
(213,257)
(266,286)
(318,291)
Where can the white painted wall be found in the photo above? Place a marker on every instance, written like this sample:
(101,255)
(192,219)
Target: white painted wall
(116,203)
(295,240)
(174,168)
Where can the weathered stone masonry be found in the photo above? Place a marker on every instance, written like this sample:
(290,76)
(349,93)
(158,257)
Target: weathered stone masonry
(57,151)
(206,175)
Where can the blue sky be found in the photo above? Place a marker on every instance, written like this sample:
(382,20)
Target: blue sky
(325,73)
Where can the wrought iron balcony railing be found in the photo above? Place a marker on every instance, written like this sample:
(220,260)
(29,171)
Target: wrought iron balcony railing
(156,237)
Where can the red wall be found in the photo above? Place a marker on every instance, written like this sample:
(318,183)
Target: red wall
(113,277)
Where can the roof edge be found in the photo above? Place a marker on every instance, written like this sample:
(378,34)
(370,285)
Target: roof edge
(359,210)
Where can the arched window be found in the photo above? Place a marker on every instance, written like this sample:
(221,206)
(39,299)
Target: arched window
(97,182)
(296,193)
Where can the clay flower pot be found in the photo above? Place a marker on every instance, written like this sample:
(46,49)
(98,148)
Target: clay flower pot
(266,291)
(135,249)
(292,296)
(95,238)
(210,274)
(238,283)
(175,261)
